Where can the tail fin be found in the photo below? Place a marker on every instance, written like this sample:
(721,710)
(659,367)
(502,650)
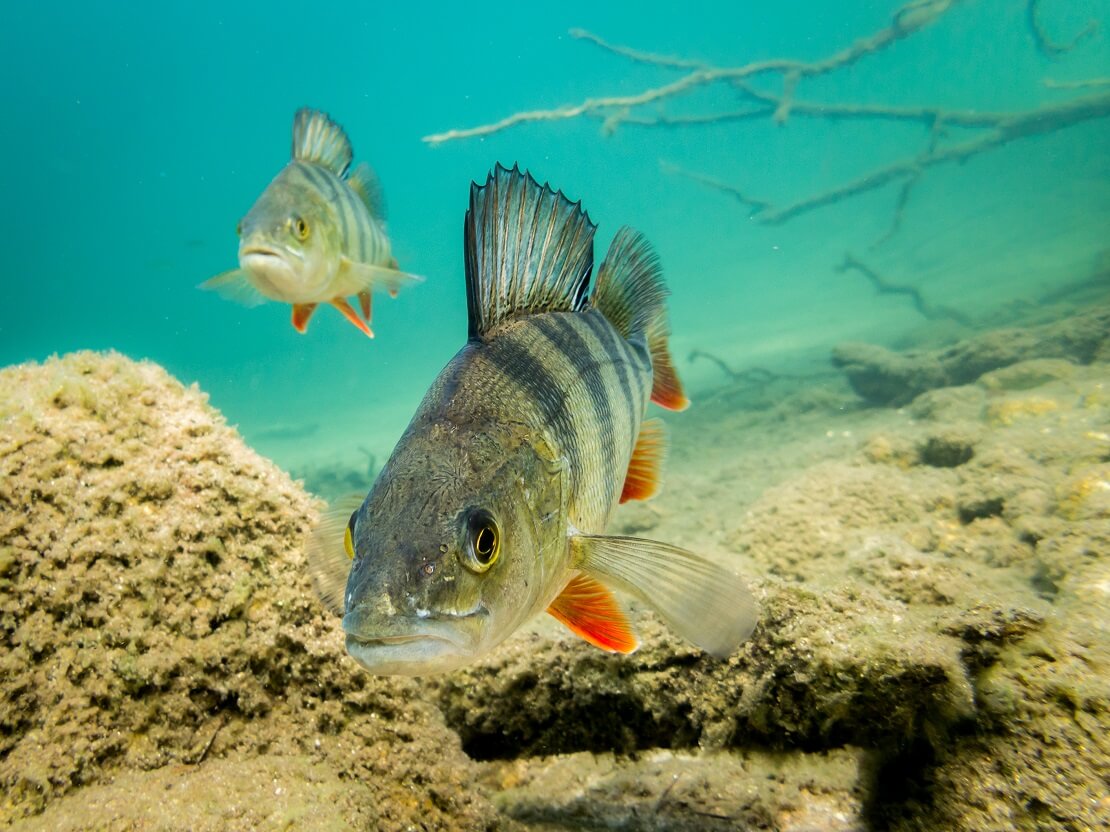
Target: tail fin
(631,294)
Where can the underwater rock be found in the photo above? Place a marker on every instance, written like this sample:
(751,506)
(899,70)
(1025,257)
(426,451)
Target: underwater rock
(884,377)
(931,652)
(156,613)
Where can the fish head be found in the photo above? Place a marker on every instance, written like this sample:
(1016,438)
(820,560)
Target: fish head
(458,543)
(289,243)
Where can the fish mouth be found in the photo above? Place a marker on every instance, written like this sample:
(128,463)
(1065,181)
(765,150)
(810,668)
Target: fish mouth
(415,646)
(265,252)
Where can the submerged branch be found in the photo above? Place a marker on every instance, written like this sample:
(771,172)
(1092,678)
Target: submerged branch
(1007,128)
(885,287)
(1044,41)
(909,19)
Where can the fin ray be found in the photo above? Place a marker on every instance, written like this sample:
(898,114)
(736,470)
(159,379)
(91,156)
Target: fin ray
(235,286)
(645,469)
(590,611)
(528,249)
(316,138)
(370,277)
(301,313)
(364,182)
(630,291)
(328,562)
(704,603)
(666,389)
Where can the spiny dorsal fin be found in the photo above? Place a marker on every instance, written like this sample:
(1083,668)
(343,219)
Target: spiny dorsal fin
(630,290)
(316,138)
(528,249)
(364,182)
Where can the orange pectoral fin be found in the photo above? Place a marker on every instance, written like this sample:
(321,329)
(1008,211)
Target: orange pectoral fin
(365,303)
(644,477)
(350,314)
(589,610)
(301,313)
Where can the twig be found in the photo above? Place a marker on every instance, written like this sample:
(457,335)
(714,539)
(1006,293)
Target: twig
(756,205)
(199,758)
(910,18)
(1086,84)
(1044,42)
(885,287)
(636,54)
(1008,128)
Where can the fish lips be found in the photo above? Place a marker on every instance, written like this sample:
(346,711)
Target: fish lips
(275,267)
(415,645)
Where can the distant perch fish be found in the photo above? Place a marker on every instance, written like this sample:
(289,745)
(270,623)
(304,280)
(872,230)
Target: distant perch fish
(317,233)
(493,505)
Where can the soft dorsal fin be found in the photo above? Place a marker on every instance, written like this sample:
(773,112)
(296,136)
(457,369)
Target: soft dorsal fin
(316,138)
(589,610)
(528,249)
(630,290)
(364,182)
(630,293)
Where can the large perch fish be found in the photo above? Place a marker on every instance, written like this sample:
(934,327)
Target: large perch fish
(317,234)
(493,505)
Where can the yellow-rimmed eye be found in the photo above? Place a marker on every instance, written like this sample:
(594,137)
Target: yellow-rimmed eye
(349,537)
(483,541)
(300,228)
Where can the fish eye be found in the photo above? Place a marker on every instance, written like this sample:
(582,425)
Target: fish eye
(300,228)
(349,536)
(483,541)
(239,229)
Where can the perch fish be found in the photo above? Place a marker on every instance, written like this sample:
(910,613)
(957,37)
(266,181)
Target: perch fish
(317,233)
(494,503)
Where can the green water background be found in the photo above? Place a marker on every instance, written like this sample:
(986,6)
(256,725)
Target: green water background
(135,137)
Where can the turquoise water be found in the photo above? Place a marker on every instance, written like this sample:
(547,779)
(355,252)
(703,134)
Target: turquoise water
(135,139)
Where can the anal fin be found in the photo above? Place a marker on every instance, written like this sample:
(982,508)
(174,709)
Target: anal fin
(589,610)
(645,469)
(301,313)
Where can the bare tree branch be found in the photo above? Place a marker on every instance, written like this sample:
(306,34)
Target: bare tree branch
(1006,129)
(1044,42)
(908,19)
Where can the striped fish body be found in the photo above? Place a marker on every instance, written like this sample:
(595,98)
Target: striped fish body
(578,384)
(316,234)
(494,503)
(336,216)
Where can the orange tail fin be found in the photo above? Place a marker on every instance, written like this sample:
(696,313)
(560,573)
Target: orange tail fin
(666,389)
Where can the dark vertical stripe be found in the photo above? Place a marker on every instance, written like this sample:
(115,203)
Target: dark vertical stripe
(585,358)
(524,371)
(361,222)
(322,179)
(609,336)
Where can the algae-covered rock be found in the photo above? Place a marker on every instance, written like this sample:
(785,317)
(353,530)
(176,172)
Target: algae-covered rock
(156,612)
(884,377)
